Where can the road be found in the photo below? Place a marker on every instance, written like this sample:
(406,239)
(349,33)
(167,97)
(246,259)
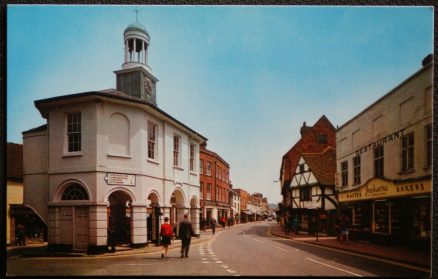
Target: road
(246,250)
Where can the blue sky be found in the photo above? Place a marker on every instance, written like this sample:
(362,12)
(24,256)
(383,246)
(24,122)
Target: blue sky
(245,77)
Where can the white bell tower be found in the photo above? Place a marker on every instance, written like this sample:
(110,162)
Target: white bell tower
(135,78)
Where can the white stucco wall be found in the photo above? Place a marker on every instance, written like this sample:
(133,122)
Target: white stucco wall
(35,178)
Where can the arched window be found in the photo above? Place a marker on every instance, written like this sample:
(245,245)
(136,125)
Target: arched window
(119,135)
(74,192)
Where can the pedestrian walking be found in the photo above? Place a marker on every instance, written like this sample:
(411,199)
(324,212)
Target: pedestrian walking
(166,233)
(345,227)
(213,224)
(185,234)
(223,221)
(296,224)
(20,235)
(111,239)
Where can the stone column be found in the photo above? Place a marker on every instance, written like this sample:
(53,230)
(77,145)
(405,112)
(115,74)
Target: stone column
(134,48)
(194,218)
(98,221)
(126,51)
(145,53)
(138,225)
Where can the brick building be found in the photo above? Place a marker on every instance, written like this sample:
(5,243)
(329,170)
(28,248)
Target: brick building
(215,185)
(314,139)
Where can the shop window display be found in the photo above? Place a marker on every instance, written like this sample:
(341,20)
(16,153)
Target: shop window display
(381,215)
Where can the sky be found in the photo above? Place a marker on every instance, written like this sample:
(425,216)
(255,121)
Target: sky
(245,77)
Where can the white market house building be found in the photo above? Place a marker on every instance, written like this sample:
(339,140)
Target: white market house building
(111,158)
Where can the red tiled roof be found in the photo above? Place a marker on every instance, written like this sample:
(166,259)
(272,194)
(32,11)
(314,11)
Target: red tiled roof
(307,143)
(322,165)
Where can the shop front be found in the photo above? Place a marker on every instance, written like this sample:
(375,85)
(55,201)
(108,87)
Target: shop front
(390,212)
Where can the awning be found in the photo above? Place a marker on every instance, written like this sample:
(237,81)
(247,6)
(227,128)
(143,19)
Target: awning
(247,212)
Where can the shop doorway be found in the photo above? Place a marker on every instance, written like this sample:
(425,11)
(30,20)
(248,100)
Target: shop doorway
(119,217)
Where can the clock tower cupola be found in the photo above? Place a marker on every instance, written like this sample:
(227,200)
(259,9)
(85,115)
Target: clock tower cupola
(135,78)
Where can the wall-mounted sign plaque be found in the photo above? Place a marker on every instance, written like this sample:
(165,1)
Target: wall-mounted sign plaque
(120,179)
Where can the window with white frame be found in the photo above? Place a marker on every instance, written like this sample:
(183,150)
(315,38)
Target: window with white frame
(201,166)
(74,132)
(408,152)
(208,191)
(176,150)
(152,141)
(201,189)
(379,156)
(208,168)
(356,170)
(192,157)
(344,173)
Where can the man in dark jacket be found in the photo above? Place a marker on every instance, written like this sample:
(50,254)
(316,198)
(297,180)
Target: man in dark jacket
(185,234)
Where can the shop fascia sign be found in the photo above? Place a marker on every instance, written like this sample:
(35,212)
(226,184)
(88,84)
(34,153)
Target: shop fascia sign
(120,179)
(389,138)
(379,188)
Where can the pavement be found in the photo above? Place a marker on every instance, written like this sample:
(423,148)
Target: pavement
(403,255)
(40,249)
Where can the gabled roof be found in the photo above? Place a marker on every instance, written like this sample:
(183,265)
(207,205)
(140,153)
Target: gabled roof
(322,165)
(293,155)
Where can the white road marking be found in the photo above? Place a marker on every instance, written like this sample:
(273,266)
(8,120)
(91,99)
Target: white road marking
(132,264)
(219,262)
(206,262)
(225,266)
(279,248)
(231,271)
(204,259)
(355,274)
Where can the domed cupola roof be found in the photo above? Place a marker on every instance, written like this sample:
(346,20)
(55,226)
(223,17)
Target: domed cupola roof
(136,26)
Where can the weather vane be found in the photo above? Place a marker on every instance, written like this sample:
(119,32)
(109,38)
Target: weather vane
(136,11)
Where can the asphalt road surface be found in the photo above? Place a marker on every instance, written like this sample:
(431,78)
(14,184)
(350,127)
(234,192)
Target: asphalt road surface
(246,250)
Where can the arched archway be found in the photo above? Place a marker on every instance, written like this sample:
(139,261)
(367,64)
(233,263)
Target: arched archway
(153,218)
(119,216)
(71,213)
(177,210)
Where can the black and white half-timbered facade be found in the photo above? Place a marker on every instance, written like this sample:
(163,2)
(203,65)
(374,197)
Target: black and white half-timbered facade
(312,191)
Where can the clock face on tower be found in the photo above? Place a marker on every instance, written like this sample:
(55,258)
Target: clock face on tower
(147,87)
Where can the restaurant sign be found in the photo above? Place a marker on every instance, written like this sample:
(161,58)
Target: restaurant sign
(120,179)
(389,138)
(379,188)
